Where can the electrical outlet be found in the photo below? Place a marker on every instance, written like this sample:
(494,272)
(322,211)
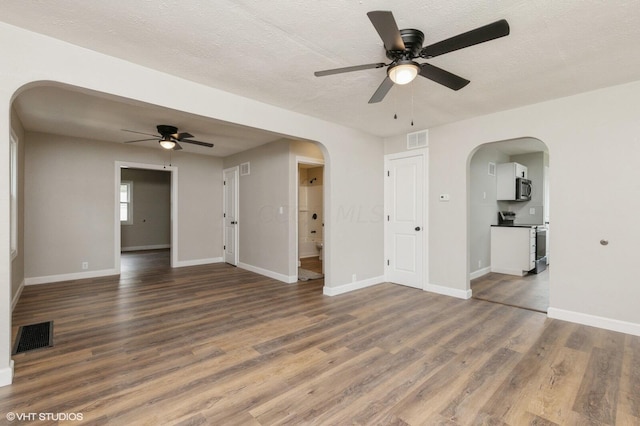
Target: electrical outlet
(353,278)
(479,263)
(532,210)
(85,265)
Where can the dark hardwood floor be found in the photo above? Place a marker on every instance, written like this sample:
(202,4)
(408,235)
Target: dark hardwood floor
(218,345)
(528,292)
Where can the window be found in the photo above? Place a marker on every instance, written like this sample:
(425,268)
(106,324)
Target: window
(13,170)
(126,203)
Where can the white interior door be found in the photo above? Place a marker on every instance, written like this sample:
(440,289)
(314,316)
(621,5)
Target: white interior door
(404,239)
(231,229)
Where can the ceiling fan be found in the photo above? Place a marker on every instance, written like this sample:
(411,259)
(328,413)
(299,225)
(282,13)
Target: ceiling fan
(169,137)
(403,46)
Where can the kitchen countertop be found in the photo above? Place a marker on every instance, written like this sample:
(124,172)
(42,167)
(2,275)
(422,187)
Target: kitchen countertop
(519,225)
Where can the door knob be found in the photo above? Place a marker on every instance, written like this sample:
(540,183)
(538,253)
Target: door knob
(417,228)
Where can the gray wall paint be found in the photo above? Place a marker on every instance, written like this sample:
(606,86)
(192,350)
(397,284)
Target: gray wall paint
(17,264)
(483,206)
(70,197)
(267,211)
(151,209)
(264,204)
(353,159)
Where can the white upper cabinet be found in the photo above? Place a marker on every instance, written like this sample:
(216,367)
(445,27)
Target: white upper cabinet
(506,180)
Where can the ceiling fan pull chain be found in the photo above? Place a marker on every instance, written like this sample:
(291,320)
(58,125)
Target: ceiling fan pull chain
(412,115)
(395,101)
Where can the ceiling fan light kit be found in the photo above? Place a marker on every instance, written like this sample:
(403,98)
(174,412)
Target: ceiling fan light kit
(169,137)
(404,72)
(167,144)
(403,46)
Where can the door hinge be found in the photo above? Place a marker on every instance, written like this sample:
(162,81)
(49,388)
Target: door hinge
(224,215)
(388,173)
(388,220)
(224,182)
(224,247)
(387,262)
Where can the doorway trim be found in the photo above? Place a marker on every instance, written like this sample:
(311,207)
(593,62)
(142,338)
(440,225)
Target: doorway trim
(119,165)
(423,153)
(315,162)
(236,229)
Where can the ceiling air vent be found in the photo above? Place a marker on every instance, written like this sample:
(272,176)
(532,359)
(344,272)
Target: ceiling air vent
(245,169)
(418,139)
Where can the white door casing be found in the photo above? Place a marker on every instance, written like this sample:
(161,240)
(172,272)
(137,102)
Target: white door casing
(230,215)
(405,219)
(174,208)
(314,162)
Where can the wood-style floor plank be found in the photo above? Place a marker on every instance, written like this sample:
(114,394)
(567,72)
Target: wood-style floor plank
(529,292)
(215,344)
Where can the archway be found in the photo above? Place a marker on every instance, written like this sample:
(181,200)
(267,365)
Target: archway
(524,226)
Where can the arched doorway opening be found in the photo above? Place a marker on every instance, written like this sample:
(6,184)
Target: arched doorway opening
(508,233)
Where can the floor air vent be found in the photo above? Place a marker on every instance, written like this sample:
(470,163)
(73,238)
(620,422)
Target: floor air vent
(34,336)
(418,139)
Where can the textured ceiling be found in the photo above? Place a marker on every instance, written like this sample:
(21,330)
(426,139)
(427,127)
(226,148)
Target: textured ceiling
(92,115)
(268,50)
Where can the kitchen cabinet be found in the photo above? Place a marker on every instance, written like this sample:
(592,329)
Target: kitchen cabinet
(513,249)
(506,174)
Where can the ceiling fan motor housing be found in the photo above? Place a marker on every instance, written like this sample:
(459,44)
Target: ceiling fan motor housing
(413,40)
(166,130)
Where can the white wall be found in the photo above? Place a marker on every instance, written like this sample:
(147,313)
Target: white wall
(69,205)
(593,143)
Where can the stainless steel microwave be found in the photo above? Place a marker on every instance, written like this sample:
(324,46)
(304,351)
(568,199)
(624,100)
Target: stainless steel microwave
(523,189)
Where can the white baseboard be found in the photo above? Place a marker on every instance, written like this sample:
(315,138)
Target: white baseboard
(289,279)
(16,297)
(6,374)
(516,272)
(345,288)
(479,273)
(448,291)
(70,277)
(595,321)
(197,262)
(152,247)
